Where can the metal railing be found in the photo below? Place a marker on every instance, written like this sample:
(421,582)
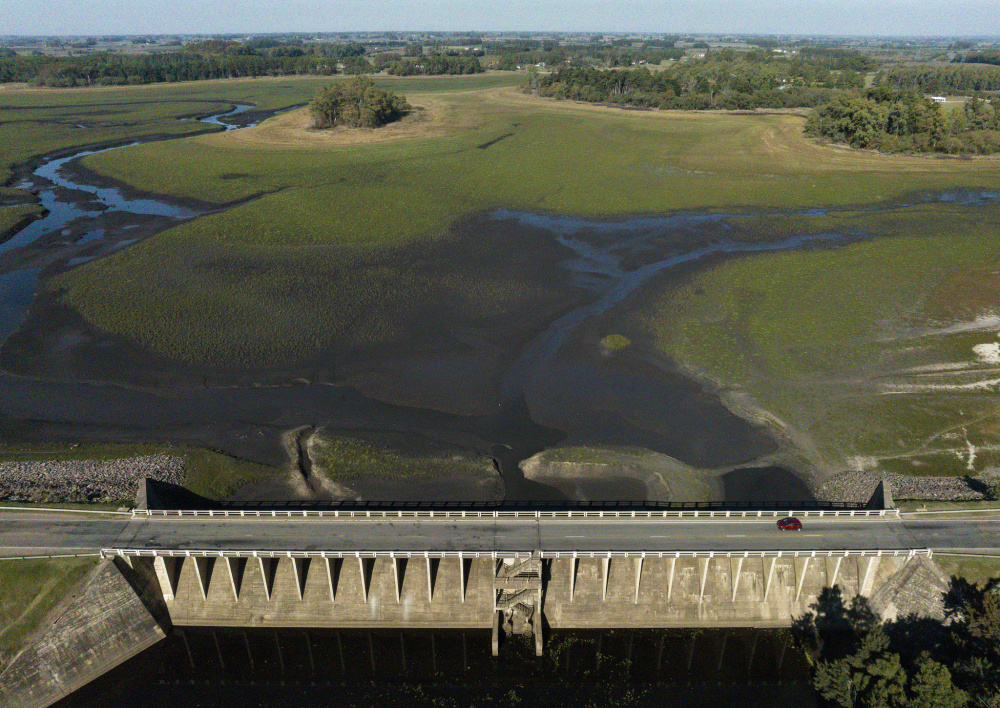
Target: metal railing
(811,553)
(498,514)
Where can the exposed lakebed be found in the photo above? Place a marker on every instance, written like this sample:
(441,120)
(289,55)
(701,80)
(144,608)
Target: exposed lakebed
(507,388)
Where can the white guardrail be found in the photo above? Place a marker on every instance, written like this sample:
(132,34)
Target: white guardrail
(430,514)
(201,553)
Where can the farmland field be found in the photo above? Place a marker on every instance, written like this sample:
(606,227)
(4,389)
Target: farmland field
(681,295)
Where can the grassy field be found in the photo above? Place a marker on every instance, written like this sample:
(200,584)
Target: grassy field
(346,458)
(29,589)
(348,249)
(865,350)
(15,217)
(975,570)
(351,202)
(211,474)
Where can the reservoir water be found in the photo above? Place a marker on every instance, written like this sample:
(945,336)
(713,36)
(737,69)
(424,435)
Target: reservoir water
(219,668)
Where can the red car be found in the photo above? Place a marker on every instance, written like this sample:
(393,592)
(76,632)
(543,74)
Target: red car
(789,524)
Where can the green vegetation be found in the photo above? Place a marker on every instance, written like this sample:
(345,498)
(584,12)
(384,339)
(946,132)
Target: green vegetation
(740,85)
(980,57)
(35,122)
(436,65)
(356,104)
(893,120)
(910,661)
(973,570)
(29,590)
(614,343)
(346,458)
(944,79)
(324,258)
(211,474)
(866,351)
(12,218)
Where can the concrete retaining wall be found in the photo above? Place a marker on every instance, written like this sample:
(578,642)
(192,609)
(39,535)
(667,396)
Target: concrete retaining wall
(109,623)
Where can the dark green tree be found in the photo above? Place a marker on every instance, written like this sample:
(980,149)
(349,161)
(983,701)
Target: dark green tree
(932,687)
(357,103)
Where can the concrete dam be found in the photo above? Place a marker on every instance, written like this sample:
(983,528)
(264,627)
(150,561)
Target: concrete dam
(518,593)
(517,573)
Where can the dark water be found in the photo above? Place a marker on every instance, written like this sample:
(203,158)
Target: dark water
(764,484)
(293,667)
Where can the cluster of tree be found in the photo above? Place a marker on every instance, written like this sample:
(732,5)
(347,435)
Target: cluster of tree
(357,103)
(722,80)
(909,662)
(980,57)
(335,50)
(436,65)
(116,69)
(208,59)
(514,54)
(838,59)
(357,65)
(944,79)
(896,120)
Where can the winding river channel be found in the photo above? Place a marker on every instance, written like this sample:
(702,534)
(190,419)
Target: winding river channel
(544,401)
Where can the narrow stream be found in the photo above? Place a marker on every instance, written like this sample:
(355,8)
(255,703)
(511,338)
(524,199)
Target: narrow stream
(77,215)
(609,260)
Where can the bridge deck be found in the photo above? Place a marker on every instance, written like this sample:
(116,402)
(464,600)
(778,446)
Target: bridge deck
(23,533)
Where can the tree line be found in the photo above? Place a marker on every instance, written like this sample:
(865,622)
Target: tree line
(721,80)
(980,57)
(216,59)
(944,79)
(436,64)
(899,120)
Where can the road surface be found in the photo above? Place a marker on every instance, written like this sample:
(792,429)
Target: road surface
(31,533)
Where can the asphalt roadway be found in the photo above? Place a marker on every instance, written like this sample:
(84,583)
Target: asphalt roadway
(37,533)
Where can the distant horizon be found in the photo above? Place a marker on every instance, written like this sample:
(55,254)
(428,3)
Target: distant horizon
(238,33)
(818,18)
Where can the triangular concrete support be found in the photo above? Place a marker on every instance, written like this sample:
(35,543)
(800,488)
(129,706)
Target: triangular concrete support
(736,576)
(398,572)
(638,577)
(235,568)
(366,566)
(703,562)
(670,582)
(606,575)
(770,574)
(869,576)
(268,568)
(168,572)
(432,571)
(300,569)
(574,563)
(333,569)
(464,570)
(203,568)
(831,576)
(802,570)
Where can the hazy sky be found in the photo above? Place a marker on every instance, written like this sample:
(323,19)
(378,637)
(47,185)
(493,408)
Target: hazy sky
(879,17)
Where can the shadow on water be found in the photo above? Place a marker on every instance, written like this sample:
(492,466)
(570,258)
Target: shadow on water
(765,485)
(291,667)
